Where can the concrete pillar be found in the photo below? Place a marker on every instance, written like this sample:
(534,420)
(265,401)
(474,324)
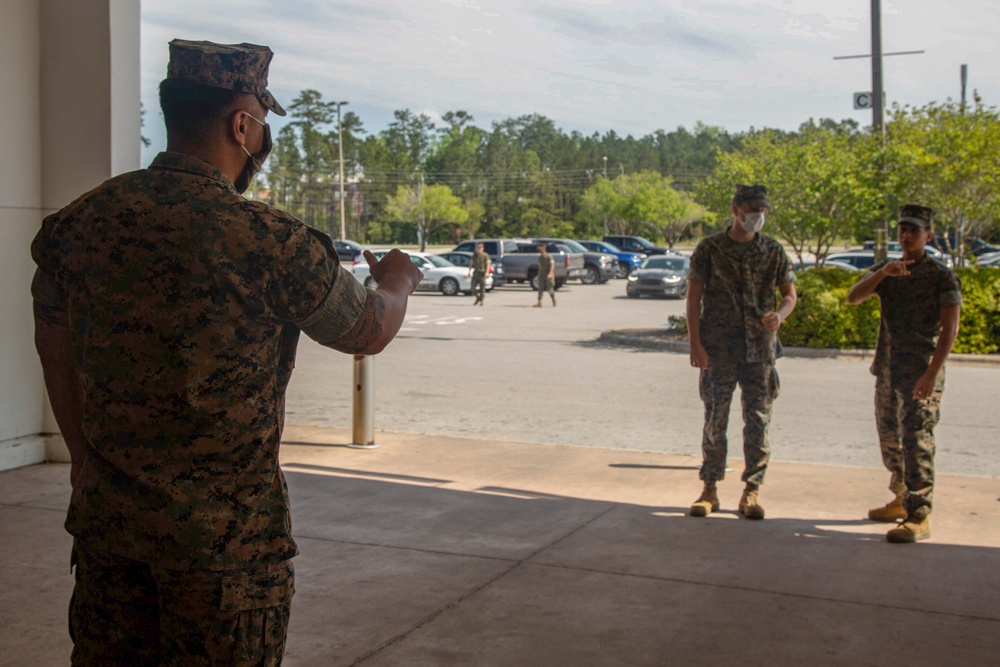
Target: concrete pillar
(70,76)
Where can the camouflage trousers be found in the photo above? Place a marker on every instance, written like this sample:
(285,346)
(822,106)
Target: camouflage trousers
(759,386)
(546,285)
(124,612)
(906,435)
(479,285)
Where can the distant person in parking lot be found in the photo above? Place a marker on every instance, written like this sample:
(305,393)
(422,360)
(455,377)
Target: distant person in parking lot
(546,275)
(921,301)
(479,268)
(733,332)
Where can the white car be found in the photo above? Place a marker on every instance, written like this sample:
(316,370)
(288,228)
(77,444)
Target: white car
(440,275)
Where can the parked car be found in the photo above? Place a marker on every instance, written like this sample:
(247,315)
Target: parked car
(598,267)
(660,275)
(978,247)
(828,264)
(989,259)
(635,244)
(860,259)
(627,261)
(522,266)
(440,275)
(348,250)
(463,259)
(893,246)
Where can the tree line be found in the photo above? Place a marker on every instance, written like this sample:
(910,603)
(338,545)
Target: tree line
(830,181)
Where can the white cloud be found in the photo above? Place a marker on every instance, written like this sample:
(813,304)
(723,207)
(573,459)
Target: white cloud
(629,65)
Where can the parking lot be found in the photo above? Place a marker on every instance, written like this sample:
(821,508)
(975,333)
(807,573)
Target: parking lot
(508,371)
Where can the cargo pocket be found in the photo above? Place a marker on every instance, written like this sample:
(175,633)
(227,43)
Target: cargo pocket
(258,590)
(773,383)
(256,608)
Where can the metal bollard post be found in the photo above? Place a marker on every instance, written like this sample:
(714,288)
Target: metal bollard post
(364,403)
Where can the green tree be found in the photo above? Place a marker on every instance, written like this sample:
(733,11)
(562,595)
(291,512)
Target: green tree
(640,203)
(431,208)
(945,156)
(822,183)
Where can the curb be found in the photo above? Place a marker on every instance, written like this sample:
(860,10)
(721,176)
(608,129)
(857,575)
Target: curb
(656,339)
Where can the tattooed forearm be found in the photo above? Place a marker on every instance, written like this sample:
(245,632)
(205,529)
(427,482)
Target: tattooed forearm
(367,329)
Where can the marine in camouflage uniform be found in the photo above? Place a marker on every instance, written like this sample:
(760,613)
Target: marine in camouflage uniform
(480,267)
(546,275)
(168,310)
(920,301)
(887,427)
(733,324)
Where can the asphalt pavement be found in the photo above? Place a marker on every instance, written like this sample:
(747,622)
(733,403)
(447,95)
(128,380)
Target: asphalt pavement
(510,372)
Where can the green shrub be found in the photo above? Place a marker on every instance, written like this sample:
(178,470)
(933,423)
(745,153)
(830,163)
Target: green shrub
(979,328)
(824,319)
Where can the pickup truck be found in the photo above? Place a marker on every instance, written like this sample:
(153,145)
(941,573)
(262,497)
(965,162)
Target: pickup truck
(522,266)
(598,266)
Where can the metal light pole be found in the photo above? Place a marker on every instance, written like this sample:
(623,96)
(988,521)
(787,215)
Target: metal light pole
(605,226)
(340,150)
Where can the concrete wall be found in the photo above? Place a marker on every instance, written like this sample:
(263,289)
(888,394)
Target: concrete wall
(69,72)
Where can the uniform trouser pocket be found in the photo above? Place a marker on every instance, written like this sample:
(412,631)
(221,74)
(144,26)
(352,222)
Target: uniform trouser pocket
(127,612)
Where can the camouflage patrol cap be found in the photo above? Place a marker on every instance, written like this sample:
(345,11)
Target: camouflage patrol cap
(916,215)
(238,67)
(751,194)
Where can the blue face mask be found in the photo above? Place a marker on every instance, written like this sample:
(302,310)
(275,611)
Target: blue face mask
(254,161)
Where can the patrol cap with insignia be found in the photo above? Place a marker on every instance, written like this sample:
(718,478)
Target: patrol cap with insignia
(751,194)
(238,67)
(917,215)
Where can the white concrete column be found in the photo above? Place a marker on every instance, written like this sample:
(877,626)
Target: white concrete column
(70,78)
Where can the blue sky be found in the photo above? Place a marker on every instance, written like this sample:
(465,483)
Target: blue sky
(633,66)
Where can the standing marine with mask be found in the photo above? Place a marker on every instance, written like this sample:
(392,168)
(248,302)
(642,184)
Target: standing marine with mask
(167,313)
(733,332)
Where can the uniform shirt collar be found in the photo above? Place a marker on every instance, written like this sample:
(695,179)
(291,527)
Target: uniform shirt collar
(192,165)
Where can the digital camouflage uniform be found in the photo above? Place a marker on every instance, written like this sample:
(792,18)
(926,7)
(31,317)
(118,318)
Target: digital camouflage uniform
(546,284)
(740,280)
(887,418)
(911,320)
(184,303)
(480,266)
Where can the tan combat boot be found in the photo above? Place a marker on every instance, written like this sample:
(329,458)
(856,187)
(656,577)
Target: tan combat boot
(538,305)
(910,530)
(553,300)
(893,511)
(750,506)
(707,502)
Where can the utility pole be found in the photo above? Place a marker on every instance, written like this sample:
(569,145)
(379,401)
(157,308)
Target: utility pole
(878,94)
(340,150)
(605,227)
(878,106)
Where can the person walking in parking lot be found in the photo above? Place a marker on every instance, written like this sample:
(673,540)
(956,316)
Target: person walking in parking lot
(479,268)
(546,275)
(733,333)
(167,312)
(921,302)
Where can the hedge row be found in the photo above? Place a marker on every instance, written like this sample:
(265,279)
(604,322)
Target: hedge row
(824,319)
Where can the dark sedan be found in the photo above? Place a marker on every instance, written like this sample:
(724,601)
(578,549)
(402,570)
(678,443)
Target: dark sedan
(660,275)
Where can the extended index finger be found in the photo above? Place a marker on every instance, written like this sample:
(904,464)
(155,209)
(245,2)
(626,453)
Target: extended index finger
(370,258)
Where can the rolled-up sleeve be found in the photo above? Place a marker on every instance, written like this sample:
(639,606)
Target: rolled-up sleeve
(338,312)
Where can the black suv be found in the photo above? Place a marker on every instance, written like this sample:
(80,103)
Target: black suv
(635,244)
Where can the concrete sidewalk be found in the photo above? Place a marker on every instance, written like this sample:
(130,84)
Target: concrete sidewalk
(443,551)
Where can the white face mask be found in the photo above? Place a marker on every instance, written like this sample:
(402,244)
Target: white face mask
(753,222)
